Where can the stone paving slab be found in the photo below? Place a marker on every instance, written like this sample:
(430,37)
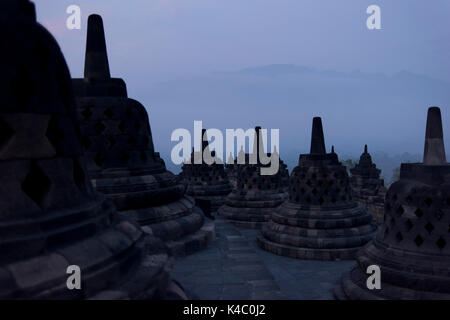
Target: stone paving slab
(234,267)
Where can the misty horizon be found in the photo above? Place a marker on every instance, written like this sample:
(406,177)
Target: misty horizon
(276,65)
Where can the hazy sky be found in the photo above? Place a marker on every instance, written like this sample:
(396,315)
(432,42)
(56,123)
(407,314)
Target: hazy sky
(158,41)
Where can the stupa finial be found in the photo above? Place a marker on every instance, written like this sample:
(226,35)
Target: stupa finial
(317,139)
(96,63)
(434,153)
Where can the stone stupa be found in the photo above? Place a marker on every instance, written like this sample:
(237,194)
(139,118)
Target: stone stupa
(249,205)
(50,217)
(320,220)
(367,187)
(121,159)
(412,249)
(231,167)
(206,182)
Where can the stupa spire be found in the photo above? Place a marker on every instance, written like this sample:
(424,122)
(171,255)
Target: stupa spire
(205,143)
(96,63)
(434,153)
(317,139)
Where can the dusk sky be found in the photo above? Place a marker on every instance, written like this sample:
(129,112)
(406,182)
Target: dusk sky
(157,42)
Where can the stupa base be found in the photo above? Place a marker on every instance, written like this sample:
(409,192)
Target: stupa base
(249,218)
(307,253)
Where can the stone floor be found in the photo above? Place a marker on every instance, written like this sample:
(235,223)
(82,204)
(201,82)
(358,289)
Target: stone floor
(233,267)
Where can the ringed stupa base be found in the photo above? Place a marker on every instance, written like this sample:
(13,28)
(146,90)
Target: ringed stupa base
(317,235)
(179,223)
(246,212)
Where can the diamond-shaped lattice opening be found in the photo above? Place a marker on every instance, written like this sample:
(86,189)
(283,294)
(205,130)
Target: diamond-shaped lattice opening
(308,182)
(54,133)
(428,202)
(122,126)
(132,141)
(409,199)
(138,126)
(429,227)
(110,142)
(100,126)
(86,113)
(392,221)
(319,183)
(418,240)
(36,185)
(400,211)
(441,243)
(418,213)
(79,175)
(399,236)
(124,157)
(314,176)
(308,199)
(325,192)
(109,113)
(87,143)
(387,206)
(99,159)
(321,200)
(333,200)
(386,233)
(314,191)
(408,225)
(6,133)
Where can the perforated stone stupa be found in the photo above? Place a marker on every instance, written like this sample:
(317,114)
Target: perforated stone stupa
(231,167)
(121,159)
(207,182)
(367,187)
(249,205)
(51,217)
(413,246)
(319,220)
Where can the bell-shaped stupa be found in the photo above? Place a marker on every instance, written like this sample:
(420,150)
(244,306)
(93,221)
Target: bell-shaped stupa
(231,167)
(412,250)
(320,220)
(256,195)
(206,178)
(367,187)
(121,159)
(51,218)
